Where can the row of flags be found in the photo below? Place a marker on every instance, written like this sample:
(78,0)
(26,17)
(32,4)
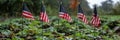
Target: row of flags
(62,14)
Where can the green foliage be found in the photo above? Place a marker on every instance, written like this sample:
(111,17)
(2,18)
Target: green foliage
(107,5)
(58,29)
(116,9)
(108,8)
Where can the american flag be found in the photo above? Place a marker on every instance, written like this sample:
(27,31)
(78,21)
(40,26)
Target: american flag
(63,14)
(95,19)
(26,13)
(43,15)
(81,15)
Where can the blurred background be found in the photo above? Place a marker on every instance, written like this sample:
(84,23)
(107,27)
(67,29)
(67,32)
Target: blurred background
(13,8)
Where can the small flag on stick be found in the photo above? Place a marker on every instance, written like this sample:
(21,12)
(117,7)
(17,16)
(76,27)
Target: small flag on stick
(81,15)
(26,13)
(43,15)
(95,18)
(63,14)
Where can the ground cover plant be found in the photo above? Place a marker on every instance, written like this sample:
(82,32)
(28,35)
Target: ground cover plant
(59,29)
